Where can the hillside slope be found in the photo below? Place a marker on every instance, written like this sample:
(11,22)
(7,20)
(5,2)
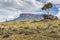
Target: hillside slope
(33,30)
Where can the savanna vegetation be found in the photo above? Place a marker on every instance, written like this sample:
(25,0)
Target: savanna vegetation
(33,30)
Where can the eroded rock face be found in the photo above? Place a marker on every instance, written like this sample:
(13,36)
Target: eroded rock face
(50,17)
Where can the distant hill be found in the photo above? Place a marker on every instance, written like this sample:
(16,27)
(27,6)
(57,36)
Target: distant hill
(28,17)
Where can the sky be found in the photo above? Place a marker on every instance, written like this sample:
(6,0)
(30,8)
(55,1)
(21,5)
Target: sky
(11,9)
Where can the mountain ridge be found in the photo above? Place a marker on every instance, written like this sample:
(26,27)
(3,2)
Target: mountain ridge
(29,17)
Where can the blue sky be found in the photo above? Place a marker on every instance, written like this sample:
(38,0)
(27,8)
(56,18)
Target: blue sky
(11,9)
(54,10)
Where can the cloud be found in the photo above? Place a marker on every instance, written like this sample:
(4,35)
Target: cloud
(8,10)
(54,1)
(6,14)
(11,9)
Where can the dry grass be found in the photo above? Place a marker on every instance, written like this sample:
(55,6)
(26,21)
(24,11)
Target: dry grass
(33,30)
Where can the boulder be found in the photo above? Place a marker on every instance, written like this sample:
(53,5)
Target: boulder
(50,17)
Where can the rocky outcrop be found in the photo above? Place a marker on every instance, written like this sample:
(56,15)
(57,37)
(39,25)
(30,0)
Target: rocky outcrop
(50,17)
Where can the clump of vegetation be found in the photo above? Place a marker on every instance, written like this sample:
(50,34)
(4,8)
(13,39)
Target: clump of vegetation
(6,36)
(47,6)
(48,17)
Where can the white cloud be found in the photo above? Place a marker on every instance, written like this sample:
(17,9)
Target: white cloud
(11,9)
(54,1)
(6,14)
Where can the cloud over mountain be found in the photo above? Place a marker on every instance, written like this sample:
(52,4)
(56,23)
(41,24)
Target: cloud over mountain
(11,9)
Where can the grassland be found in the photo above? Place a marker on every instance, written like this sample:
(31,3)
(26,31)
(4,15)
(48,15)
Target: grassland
(33,30)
